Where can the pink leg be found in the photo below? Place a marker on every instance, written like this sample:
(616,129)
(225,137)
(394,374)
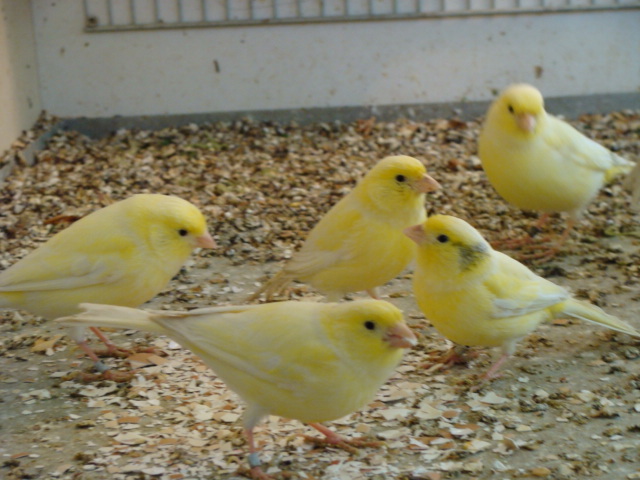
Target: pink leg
(92,355)
(549,251)
(491,373)
(333,439)
(115,351)
(104,372)
(254,458)
(457,355)
(520,242)
(111,347)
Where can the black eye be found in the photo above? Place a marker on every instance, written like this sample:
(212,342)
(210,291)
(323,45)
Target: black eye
(183,232)
(510,108)
(442,238)
(369,325)
(400,178)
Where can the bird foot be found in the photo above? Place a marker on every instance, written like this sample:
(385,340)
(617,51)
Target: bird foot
(115,352)
(547,252)
(348,445)
(455,356)
(113,375)
(256,473)
(119,352)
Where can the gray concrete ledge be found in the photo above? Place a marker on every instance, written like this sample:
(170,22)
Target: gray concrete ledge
(570,107)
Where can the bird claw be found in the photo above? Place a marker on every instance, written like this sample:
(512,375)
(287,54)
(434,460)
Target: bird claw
(119,352)
(153,350)
(456,355)
(256,473)
(347,445)
(116,352)
(113,375)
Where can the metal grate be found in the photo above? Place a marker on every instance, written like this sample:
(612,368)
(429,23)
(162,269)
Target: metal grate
(118,15)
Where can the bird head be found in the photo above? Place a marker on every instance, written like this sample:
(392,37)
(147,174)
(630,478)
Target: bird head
(451,249)
(520,109)
(370,330)
(172,226)
(395,183)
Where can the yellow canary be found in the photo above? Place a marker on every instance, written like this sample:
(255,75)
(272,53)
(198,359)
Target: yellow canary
(358,245)
(308,361)
(476,296)
(123,254)
(538,162)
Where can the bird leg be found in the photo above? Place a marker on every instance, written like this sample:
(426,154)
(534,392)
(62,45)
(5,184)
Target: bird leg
(547,246)
(112,349)
(515,243)
(492,372)
(548,251)
(255,470)
(118,352)
(333,439)
(104,373)
(456,355)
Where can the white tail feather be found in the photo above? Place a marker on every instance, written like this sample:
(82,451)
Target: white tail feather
(591,313)
(96,315)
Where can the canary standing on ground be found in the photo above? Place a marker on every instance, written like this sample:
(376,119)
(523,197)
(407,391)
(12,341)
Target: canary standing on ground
(358,245)
(476,296)
(123,254)
(308,361)
(538,162)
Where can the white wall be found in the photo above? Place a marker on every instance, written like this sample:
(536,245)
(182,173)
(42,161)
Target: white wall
(19,93)
(326,65)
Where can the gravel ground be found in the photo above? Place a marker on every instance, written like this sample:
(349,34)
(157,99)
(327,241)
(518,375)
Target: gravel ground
(567,406)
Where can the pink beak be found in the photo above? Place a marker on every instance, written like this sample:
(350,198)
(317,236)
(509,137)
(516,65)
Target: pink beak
(205,241)
(426,184)
(401,336)
(526,122)
(415,233)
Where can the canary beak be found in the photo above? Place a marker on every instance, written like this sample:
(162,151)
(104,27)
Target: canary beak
(526,122)
(425,184)
(416,233)
(401,336)
(205,241)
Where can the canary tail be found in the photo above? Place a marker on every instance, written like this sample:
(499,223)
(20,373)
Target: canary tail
(632,183)
(619,166)
(593,314)
(95,315)
(273,287)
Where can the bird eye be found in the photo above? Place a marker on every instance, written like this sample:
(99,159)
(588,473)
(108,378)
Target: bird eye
(369,325)
(510,108)
(183,232)
(442,238)
(400,178)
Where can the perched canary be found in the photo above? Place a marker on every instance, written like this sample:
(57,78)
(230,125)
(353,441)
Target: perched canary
(123,254)
(307,361)
(358,245)
(538,162)
(476,296)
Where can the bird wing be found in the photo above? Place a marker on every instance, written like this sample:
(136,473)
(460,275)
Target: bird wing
(518,291)
(571,145)
(280,350)
(53,266)
(330,242)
